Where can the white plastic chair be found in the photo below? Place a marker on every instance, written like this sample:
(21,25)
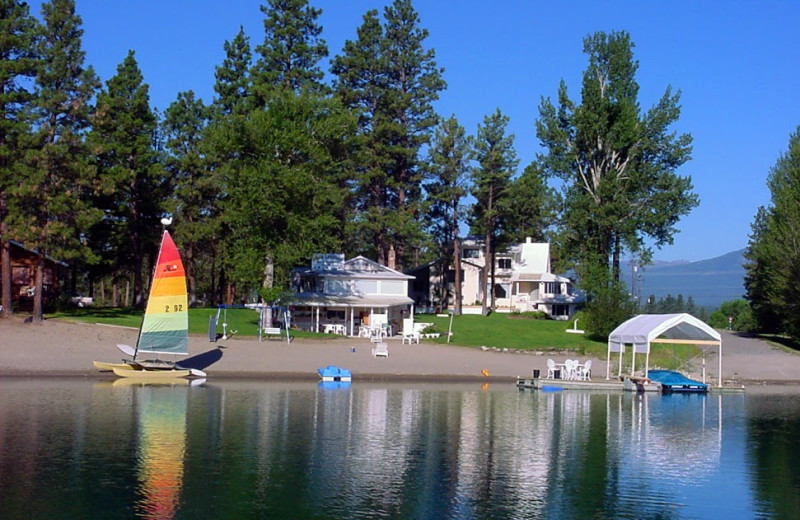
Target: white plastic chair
(380,349)
(585,372)
(551,369)
(570,367)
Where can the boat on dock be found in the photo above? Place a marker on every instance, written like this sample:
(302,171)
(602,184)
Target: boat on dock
(672,381)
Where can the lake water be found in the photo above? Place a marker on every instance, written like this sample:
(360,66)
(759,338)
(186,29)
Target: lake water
(77,449)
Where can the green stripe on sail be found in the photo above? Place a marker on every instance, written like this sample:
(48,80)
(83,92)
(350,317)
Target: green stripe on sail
(165,333)
(165,321)
(165,342)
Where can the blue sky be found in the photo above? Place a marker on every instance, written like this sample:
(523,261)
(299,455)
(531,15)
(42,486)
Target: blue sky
(735,64)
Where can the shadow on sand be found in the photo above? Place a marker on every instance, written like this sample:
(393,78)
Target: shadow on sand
(202,361)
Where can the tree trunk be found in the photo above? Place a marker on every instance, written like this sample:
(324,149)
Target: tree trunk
(38,285)
(457,277)
(487,259)
(492,295)
(5,273)
(268,280)
(615,259)
(190,275)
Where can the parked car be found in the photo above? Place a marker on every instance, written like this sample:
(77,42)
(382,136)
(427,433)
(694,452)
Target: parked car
(81,301)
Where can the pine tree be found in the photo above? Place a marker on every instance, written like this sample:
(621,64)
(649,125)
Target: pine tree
(134,185)
(391,80)
(53,210)
(233,84)
(491,179)
(530,208)
(773,256)
(18,65)
(449,157)
(194,192)
(291,51)
(225,149)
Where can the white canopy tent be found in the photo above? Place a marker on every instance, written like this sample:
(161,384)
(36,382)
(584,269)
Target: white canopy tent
(640,331)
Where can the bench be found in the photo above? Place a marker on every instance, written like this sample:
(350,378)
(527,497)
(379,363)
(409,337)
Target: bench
(272,331)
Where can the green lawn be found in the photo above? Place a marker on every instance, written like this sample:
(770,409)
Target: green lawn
(499,330)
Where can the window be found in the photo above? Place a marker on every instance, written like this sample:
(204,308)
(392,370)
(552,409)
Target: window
(502,290)
(392,287)
(552,288)
(471,253)
(366,287)
(334,315)
(504,263)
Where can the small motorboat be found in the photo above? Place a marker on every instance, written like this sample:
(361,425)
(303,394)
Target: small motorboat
(334,373)
(672,381)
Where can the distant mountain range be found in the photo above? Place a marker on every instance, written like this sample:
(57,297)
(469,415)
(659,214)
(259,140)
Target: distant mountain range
(709,282)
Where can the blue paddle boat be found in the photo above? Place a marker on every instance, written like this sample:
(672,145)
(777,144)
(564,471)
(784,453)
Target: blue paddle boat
(672,381)
(334,373)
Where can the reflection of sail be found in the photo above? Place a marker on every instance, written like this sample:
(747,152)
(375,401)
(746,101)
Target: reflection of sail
(162,442)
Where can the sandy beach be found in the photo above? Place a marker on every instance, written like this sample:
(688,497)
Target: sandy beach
(60,348)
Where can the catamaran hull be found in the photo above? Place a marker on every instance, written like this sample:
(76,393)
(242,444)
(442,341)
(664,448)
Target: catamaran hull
(151,374)
(102,365)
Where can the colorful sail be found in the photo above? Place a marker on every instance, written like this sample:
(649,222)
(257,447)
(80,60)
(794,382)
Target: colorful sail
(165,329)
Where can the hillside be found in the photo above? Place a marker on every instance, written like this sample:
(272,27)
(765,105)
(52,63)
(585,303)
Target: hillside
(709,282)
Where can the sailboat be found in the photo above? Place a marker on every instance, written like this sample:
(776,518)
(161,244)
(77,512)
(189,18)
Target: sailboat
(165,326)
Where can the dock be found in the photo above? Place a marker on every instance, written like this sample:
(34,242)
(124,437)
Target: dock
(629,384)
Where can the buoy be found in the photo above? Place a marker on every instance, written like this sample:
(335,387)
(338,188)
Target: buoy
(485,372)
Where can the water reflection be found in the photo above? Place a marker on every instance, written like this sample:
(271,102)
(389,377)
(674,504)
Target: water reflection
(300,450)
(161,426)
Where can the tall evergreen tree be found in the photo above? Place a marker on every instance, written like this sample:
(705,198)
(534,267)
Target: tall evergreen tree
(497,161)
(449,162)
(233,85)
(531,207)
(773,256)
(194,192)
(292,49)
(225,150)
(134,184)
(389,77)
(53,210)
(18,65)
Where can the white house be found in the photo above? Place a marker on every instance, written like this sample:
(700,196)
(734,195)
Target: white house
(341,295)
(523,281)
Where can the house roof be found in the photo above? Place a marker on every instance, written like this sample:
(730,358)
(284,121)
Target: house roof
(538,277)
(360,267)
(320,300)
(36,252)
